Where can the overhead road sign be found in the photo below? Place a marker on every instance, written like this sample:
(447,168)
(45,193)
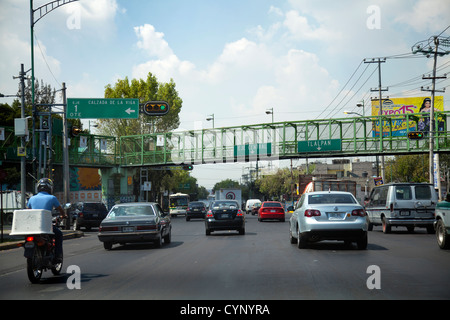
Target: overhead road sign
(93,108)
(319,145)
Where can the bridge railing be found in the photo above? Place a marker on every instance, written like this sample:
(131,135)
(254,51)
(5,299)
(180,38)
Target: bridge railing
(358,136)
(268,141)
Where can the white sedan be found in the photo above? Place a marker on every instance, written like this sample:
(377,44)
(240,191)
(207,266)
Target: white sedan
(328,215)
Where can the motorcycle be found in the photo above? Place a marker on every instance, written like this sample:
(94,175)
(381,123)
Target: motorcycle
(40,255)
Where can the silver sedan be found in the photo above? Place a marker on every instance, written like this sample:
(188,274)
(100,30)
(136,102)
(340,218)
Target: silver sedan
(328,215)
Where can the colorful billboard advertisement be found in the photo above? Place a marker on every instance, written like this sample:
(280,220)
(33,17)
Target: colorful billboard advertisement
(403,106)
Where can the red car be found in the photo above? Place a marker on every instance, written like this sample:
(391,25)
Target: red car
(271,210)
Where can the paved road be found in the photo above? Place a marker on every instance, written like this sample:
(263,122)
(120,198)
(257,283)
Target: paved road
(259,265)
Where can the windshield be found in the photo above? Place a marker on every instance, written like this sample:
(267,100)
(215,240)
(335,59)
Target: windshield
(178,202)
(124,211)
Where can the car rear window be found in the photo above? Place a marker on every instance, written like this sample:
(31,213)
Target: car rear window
(196,204)
(95,206)
(225,204)
(272,204)
(130,211)
(403,193)
(423,192)
(330,198)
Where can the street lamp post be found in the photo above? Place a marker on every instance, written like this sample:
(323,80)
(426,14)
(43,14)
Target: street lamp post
(270,111)
(40,13)
(211,118)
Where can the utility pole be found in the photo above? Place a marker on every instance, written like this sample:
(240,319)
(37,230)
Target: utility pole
(66,185)
(23,180)
(428,47)
(380,89)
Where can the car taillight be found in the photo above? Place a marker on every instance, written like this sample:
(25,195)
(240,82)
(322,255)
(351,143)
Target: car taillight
(359,212)
(29,239)
(147,227)
(391,207)
(209,214)
(312,213)
(108,229)
(239,213)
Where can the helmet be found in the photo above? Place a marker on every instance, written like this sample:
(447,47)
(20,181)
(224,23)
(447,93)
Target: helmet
(45,184)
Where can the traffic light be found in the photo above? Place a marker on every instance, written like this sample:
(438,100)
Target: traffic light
(188,167)
(156,108)
(75,131)
(415,135)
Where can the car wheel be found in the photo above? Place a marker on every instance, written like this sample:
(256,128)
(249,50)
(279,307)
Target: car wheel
(443,239)
(208,232)
(370,227)
(107,245)
(292,240)
(242,231)
(386,226)
(362,243)
(159,241)
(168,236)
(302,242)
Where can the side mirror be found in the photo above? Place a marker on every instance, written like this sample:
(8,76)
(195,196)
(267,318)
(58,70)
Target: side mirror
(67,206)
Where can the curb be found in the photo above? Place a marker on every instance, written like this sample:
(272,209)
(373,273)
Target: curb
(15,244)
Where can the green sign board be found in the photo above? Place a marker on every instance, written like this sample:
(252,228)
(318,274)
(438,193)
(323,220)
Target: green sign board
(319,145)
(86,108)
(253,149)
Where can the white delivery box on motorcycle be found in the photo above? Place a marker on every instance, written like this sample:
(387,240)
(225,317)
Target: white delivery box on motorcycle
(31,221)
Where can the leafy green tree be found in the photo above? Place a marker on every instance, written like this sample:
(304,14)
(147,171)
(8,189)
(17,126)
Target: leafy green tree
(407,168)
(144,90)
(225,184)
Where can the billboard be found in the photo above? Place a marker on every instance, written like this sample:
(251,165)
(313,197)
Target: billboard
(403,106)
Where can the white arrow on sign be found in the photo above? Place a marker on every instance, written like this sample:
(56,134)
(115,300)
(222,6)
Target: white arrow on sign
(129,111)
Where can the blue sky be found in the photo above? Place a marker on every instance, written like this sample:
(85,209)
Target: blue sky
(232,58)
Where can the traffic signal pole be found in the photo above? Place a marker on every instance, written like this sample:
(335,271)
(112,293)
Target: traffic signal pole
(66,188)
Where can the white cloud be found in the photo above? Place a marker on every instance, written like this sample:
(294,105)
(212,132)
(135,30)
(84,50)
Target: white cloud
(301,29)
(427,15)
(245,79)
(152,42)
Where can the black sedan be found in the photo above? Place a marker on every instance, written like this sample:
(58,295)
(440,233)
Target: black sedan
(135,222)
(224,215)
(196,209)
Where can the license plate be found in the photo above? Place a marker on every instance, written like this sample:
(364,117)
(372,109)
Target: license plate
(127,229)
(195,209)
(95,215)
(224,216)
(404,213)
(273,211)
(334,215)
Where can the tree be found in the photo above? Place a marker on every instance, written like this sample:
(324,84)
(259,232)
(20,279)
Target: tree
(407,168)
(278,184)
(148,90)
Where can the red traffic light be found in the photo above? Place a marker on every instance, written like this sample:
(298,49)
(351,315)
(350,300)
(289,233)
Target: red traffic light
(156,108)
(415,135)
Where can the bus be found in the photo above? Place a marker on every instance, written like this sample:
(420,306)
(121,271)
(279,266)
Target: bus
(178,204)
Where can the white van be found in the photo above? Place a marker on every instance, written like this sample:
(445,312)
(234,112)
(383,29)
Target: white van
(250,203)
(402,204)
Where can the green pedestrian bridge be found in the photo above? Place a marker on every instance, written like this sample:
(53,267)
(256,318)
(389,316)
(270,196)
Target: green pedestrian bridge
(319,138)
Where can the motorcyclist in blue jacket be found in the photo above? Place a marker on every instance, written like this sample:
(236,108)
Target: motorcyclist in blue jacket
(44,199)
